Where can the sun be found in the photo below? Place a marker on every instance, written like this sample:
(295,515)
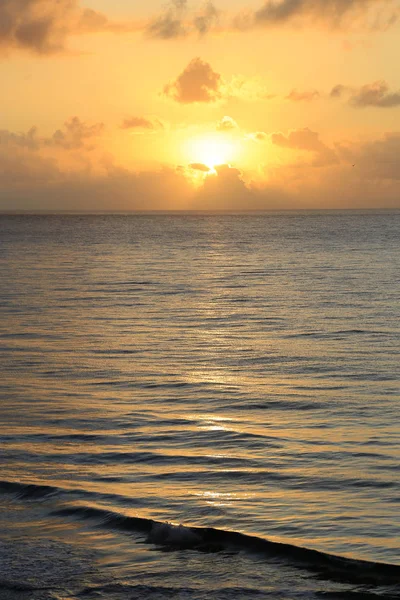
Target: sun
(211,150)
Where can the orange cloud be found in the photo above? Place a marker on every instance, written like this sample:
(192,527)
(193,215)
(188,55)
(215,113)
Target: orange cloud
(71,172)
(305,139)
(74,134)
(197,83)
(141,123)
(306,96)
(22,140)
(377,160)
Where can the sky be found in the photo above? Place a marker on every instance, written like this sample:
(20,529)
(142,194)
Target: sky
(110,105)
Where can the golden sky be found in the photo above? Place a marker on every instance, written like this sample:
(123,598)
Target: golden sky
(257,104)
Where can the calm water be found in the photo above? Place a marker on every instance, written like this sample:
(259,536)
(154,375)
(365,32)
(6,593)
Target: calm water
(236,374)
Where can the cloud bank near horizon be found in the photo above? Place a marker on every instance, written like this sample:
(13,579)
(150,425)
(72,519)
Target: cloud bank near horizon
(71,170)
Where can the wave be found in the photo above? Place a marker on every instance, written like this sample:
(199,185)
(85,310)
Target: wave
(27,491)
(169,536)
(31,491)
(338,332)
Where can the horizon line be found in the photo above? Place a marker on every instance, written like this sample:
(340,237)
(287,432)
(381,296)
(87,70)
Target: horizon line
(43,212)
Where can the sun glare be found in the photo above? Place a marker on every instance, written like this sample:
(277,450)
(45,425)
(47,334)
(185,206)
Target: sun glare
(211,150)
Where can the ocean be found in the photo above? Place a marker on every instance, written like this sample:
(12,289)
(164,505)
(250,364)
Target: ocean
(200,406)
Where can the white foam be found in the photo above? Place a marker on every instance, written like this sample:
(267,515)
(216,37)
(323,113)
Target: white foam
(174,535)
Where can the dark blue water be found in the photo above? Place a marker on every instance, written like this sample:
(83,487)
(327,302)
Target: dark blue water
(200,406)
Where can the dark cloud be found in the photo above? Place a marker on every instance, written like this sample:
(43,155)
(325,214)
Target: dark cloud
(226,124)
(197,83)
(306,96)
(338,91)
(205,19)
(170,24)
(42,26)
(305,139)
(375,94)
(141,123)
(34,24)
(334,13)
(176,22)
(200,167)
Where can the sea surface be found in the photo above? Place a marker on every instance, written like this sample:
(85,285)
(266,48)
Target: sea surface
(200,406)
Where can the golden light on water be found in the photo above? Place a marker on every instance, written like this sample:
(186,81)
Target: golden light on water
(222,499)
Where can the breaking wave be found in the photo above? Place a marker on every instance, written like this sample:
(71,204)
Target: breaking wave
(209,539)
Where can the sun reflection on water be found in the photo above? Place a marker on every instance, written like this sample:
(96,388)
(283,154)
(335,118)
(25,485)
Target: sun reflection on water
(222,499)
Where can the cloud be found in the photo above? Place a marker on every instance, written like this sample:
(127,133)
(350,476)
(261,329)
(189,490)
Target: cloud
(52,174)
(74,134)
(49,188)
(309,141)
(74,172)
(170,24)
(200,167)
(28,159)
(198,82)
(298,139)
(22,168)
(206,18)
(247,88)
(174,21)
(381,158)
(35,24)
(377,159)
(92,20)
(23,140)
(226,124)
(306,96)
(42,26)
(224,189)
(338,91)
(258,136)
(141,123)
(375,94)
(334,13)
